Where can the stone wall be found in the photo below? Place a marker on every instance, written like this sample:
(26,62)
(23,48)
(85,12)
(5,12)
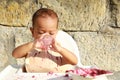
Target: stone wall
(94,24)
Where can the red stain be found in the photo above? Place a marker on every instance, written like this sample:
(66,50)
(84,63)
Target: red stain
(33,76)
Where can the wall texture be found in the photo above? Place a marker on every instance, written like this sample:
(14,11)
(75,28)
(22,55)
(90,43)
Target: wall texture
(94,24)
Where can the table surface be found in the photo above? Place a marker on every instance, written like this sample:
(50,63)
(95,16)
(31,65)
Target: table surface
(15,73)
(38,76)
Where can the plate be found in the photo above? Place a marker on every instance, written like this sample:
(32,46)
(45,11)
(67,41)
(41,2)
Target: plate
(78,77)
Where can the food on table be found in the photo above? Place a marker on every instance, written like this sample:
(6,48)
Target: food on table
(89,72)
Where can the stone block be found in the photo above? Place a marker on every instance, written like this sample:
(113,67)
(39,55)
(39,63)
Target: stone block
(7,45)
(99,50)
(73,15)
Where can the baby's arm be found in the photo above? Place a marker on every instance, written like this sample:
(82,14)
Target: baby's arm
(21,51)
(67,56)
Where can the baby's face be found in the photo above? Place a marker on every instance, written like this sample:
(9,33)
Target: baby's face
(44,26)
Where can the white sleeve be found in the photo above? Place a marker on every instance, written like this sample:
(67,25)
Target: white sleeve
(68,42)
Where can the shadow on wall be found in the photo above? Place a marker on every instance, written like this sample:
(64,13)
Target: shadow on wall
(11,37)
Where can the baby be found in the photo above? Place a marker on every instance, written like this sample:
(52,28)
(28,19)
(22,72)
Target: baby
(52,49)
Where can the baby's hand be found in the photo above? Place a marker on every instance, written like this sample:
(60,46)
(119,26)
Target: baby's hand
(56,46)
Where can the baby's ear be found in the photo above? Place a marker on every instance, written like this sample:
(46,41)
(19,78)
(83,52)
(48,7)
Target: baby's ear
(31,29)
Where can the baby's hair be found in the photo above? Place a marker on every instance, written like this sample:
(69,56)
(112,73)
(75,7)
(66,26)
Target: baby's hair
(44,13)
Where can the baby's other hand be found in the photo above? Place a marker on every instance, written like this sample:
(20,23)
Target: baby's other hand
(56,46)
(36,44)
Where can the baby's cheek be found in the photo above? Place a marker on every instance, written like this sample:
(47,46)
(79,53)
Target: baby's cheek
(37,36)
(34,36)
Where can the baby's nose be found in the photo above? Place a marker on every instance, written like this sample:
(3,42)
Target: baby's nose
(45,34)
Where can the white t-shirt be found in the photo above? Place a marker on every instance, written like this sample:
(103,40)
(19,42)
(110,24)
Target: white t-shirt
(69,43)
(38,61)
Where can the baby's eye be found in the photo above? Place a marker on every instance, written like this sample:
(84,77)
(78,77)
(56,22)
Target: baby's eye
(41,32)
(52,33)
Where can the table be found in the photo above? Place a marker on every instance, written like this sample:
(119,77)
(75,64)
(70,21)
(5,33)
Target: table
(13,72)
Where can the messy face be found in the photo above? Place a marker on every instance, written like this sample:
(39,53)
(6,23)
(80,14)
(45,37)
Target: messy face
(43,26)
